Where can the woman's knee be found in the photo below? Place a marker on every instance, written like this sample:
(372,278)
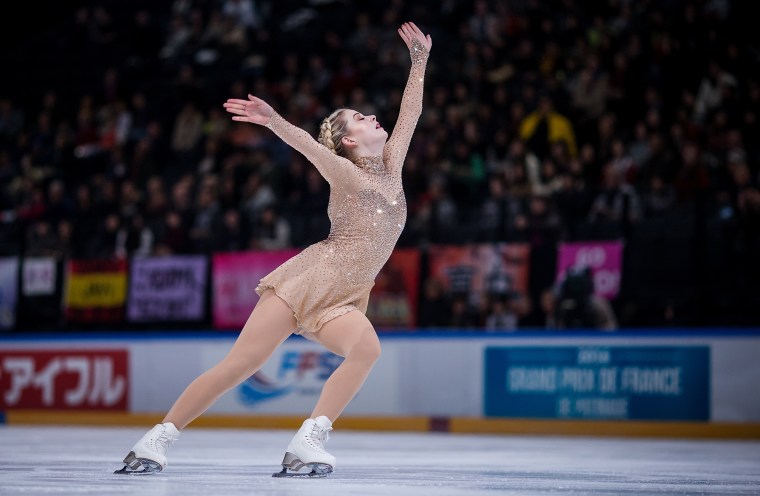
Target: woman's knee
(367,349)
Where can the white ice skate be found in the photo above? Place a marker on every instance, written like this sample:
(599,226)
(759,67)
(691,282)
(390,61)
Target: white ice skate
(307,449)
(148,455)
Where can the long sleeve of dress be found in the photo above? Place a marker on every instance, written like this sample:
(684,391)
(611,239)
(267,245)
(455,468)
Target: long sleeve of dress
(411,109)
(331,166)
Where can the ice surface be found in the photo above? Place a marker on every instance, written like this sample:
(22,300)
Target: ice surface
(73,460)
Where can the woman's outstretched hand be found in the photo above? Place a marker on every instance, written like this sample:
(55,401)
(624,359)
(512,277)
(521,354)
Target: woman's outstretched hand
(409,32)
(254,110)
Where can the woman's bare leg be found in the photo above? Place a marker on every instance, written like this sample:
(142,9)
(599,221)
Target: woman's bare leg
(353,337)
(270,323)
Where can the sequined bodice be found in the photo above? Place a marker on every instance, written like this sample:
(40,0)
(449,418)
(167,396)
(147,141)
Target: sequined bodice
(365,226)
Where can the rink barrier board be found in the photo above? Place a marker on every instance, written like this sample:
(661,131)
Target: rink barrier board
(425,381)
(460,425)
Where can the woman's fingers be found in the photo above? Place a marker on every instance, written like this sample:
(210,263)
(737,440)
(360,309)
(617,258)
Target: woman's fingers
(234,110)
(404,36)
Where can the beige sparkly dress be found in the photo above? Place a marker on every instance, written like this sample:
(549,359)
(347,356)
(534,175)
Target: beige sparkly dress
(367,211)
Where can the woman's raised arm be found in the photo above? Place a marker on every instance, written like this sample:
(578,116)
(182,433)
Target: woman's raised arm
(419,46)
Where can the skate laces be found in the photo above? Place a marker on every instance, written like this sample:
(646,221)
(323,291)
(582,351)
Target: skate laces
(164,440)
(319,435)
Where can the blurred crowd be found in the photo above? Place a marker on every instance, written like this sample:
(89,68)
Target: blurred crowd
(542,122)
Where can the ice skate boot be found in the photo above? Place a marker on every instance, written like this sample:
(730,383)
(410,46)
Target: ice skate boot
(307,449)
(148,455)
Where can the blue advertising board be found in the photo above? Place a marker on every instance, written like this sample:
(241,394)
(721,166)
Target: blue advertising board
(618,382)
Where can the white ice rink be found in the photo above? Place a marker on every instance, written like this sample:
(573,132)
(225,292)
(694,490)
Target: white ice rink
(73,460)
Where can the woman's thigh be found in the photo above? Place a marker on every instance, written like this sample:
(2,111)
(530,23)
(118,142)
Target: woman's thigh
(341,334)
(270,323)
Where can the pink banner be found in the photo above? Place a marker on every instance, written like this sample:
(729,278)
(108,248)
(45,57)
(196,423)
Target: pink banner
(605,259)
(235,276)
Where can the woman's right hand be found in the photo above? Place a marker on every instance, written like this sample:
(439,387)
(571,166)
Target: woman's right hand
(254,110)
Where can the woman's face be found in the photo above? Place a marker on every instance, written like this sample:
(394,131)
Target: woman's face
(364,129)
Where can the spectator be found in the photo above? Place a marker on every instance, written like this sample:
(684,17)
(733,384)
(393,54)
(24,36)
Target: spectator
(257,195)
(188,130)
(498,212)
(435,307)
(42,240)
(501,316)
(658,198)
(233,234)
(172,237)
(272,232)
(206,220)
(437,217)
(617,201)
(106,238)
(134,238)
(578,307)
(545,126)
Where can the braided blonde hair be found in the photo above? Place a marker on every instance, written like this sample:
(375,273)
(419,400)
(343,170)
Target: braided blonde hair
(331,133)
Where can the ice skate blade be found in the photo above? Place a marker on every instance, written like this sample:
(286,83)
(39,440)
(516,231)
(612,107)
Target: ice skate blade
(138,466)
(321,472)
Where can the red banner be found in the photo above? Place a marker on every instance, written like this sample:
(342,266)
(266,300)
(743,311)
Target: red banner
(393,301)
(96,290)
(64,380)
(479,270)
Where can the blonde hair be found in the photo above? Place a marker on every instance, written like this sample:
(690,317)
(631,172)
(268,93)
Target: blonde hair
(331,133)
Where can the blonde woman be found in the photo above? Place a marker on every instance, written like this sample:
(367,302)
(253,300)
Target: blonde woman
(322,292)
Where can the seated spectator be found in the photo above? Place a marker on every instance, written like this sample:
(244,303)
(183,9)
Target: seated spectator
(172,236)
(498,212)
(435,306)
(41,240)
(233,233)
(578,307)
(272,232)
(134,238)
(462,315)
(501,316)
(437,217)
(106,237)
(545,126)
(206,221)
(617,201)
(658,198)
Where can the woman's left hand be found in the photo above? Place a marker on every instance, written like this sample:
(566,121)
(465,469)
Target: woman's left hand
(409,32)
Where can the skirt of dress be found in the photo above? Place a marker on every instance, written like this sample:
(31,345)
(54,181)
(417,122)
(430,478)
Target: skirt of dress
(315,290)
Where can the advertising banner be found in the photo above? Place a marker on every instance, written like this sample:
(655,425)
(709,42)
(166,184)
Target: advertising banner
(167,288)
(8,292)
(393,300)
(499,269)
(64,379)
(235,277)
(96,290)
(291,381)
(633,382)
(605,259)
(38,277)
(42,292)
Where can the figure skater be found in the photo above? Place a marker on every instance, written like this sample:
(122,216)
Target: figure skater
(321,293)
